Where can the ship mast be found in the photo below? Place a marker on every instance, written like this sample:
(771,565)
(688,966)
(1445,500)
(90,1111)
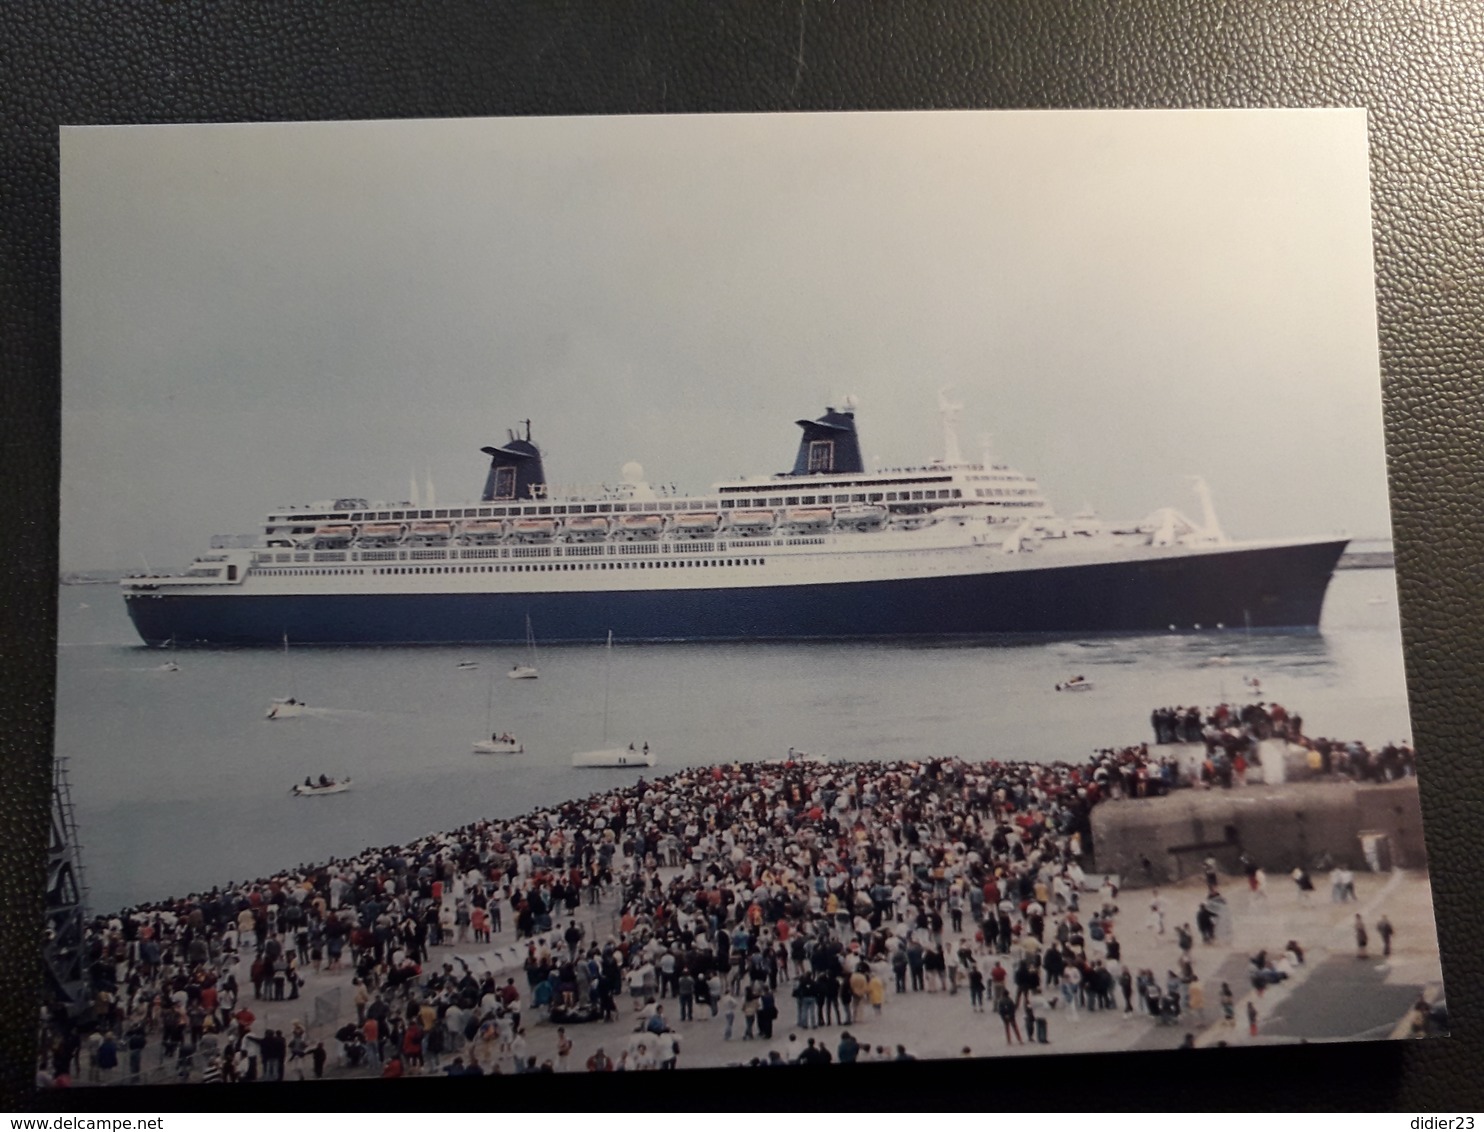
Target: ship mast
(1211,526)
(949,410)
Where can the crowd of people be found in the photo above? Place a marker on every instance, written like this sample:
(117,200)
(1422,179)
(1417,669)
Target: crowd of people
(740,893)
(1230,733)
(1254,721)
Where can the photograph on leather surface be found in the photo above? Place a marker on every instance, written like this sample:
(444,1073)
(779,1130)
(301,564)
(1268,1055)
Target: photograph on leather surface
(624,594)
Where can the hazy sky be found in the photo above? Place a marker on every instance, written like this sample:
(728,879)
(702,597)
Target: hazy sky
(256,315)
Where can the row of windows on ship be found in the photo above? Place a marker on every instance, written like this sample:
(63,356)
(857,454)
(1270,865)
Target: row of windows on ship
(518,568)
(592,528)
(899,497)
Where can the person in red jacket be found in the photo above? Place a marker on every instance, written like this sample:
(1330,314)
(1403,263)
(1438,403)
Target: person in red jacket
(412,1044)
(371,1031)
(600,1062)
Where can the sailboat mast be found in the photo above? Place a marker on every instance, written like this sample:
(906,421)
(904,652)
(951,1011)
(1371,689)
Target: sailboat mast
(607,681)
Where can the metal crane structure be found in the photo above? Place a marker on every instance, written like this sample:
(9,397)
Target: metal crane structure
(63,958)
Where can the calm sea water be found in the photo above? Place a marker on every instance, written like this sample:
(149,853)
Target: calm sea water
(181,783)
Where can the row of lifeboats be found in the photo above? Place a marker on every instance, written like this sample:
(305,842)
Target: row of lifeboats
(592,528)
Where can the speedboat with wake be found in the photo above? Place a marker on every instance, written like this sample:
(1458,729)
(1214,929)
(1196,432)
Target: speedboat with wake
(287,709)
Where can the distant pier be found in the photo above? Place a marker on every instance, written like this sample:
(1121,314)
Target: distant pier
(1367,560)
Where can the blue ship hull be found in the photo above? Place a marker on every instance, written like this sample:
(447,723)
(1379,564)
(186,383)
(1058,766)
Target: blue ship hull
(1265,587)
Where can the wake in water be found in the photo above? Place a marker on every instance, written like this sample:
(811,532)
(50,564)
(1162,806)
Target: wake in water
(303,711)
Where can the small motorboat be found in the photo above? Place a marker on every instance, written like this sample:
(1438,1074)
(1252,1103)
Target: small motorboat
(795,756)
(522,672)
(499,745)
(1075,684)
(168,666)
(324,786)
(467,665)
(287,709)
(615,757)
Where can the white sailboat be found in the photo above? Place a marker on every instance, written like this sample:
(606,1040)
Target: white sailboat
(612,756)
(287,707)
(526,671)
(497,744)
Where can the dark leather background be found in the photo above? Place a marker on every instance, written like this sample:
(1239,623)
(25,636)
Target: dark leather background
(1417,66)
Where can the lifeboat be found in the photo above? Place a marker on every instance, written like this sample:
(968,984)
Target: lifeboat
(380,534)
(808,518)
(429,534)
(697,523)
(534,528)
(334,536)
(587,526)
(753,520)
(644,526)
(483,531)
(860,515)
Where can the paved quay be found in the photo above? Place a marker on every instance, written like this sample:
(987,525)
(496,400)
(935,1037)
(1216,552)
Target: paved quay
(1333,996)
(931,908)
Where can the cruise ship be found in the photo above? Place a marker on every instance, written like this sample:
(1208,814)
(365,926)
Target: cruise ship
(827,550)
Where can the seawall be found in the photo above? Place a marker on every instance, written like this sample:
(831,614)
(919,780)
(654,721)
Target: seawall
(1277,826)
